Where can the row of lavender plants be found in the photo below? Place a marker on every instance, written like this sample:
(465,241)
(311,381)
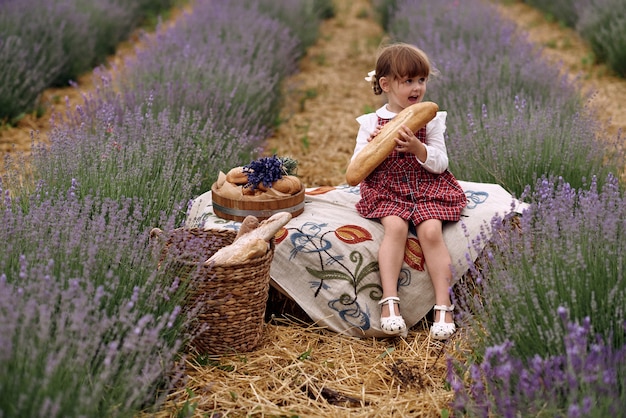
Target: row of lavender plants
(600,22)
(544,312)
(47,43)
(90,325)
(513,118)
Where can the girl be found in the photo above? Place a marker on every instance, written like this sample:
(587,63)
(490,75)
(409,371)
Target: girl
(412,187)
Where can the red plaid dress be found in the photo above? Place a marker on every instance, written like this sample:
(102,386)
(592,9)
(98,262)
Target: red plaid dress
(401,186)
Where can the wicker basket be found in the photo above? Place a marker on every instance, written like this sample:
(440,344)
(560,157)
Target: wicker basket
(228,302)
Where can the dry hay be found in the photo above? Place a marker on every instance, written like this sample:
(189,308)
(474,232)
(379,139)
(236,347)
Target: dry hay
(300,369)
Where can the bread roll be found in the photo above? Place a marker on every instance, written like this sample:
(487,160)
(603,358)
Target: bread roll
(414,117)
(237,176)
(249,191)
(288,184)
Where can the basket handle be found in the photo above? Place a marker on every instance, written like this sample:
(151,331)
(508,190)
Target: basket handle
(156,233)
(158,240)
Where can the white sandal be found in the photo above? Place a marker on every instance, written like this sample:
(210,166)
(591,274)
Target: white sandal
(392,324)
(442,330)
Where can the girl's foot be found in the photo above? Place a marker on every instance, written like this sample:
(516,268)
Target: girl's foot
(442,330)
(392,324)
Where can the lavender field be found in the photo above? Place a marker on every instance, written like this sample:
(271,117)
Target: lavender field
(90,327)
(51,43)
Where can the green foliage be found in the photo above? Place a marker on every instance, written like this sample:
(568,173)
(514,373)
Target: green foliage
(604,29)
(385,10)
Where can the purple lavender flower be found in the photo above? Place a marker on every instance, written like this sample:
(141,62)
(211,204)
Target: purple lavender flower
(583,382)
(81,300)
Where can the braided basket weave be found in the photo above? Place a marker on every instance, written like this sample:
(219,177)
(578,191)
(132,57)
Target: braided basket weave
(228,302)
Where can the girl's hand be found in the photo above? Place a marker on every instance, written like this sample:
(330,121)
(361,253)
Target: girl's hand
(408,142)
(374,133)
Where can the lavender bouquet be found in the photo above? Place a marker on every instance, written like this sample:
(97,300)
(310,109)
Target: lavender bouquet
(267,170)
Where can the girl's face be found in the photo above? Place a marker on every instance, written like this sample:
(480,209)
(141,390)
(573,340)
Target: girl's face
(403,92)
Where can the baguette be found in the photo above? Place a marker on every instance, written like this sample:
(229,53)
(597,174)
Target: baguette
(414,117)
(249,223)
(251,244)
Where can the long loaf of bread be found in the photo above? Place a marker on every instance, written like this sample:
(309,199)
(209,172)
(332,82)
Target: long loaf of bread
(251,244)
(414,117)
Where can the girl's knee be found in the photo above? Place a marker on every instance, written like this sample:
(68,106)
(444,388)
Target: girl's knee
(430,232)
(395,226)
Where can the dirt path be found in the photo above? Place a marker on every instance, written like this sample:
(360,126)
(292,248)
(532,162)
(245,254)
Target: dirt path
(324,99)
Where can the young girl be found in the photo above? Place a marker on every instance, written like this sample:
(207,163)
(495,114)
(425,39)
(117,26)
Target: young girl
(412,186)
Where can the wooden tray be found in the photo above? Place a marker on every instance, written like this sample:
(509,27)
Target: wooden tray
(237,210)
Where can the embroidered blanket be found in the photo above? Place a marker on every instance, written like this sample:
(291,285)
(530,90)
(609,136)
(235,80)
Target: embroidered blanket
(326,258)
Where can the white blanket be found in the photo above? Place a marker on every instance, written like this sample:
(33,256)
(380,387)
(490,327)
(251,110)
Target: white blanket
(326,258)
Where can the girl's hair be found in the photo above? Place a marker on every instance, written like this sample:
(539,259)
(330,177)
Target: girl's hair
(398,61)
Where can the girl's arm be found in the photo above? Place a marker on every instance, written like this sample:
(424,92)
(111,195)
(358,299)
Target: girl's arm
(437,154)
(367,125)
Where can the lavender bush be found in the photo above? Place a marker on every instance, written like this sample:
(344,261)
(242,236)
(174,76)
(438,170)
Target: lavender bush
(599,22)
(50,43)
(516,145)
(183,115)
(179,68)
(586,380)
(511,117)
(290,13)
(112,21)
(117,153)
(87,325)
(566,251)
(91,325)
(31,56)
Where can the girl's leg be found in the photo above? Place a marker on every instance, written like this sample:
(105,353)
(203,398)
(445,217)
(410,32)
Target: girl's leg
(391,256)
(438,262)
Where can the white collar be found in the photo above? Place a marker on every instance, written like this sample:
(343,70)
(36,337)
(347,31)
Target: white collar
(384,113)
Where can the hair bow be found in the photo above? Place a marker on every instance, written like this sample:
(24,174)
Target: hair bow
(370,76)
